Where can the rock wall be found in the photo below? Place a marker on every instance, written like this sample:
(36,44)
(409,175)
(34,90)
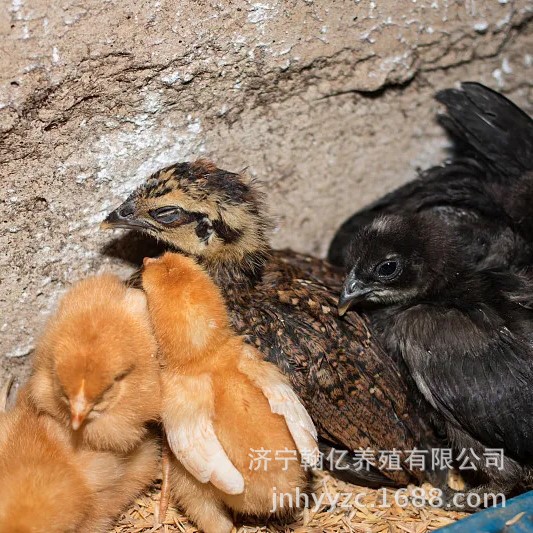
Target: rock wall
(328,103)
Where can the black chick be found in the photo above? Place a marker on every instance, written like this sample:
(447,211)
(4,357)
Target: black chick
(285,304)
(464,334)
(484,194)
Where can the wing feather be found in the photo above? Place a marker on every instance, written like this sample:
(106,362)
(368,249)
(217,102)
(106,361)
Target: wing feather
(479,378)
(282,400)
(188,421)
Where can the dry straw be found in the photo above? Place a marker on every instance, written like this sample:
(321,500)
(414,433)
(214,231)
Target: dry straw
(366,517)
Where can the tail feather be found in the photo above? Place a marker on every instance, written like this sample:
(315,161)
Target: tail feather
(491,126)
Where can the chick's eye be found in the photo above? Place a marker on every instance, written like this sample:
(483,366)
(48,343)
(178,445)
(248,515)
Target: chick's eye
(166,215)
(388,269)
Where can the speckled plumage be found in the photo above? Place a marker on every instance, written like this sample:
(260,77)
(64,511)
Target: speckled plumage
(352,390)
(286,306)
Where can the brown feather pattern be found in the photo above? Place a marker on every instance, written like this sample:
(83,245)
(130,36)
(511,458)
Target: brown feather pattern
(285,304)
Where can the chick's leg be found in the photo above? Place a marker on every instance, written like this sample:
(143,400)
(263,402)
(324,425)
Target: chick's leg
(166,453)
(198,501)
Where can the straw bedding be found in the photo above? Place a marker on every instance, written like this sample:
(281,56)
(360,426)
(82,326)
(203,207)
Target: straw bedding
(358,516)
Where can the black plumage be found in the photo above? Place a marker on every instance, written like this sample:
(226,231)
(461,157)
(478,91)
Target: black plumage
(466,335)
(484,193)
(489,127)
(284,303)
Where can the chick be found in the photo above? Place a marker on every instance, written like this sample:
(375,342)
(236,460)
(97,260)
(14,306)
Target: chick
(42,486)
(96,373)
(284,304)
(95,367)
(483,194)
(465,335)
(116,479)
(49,485)
(221,401)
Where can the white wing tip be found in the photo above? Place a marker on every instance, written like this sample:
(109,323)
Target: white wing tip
(230,482)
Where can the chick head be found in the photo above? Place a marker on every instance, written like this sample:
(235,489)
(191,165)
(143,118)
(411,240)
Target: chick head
(185,304)
(94,351)
(199,209)
(396,259)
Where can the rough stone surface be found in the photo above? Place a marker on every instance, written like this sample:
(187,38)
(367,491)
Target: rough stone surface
(329,103)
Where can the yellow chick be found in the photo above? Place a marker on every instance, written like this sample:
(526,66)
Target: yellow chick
(47,485)
(96,373)
(221,402)
(42,485)
(96,365)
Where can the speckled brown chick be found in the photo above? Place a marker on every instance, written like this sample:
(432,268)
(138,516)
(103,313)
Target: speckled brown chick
(285,303)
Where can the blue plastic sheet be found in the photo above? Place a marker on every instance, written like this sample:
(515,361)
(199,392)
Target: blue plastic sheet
(515,517)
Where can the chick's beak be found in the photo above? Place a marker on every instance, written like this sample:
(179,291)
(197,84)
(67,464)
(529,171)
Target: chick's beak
(149,260)
(125,216)
(79,409)
(354,290)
